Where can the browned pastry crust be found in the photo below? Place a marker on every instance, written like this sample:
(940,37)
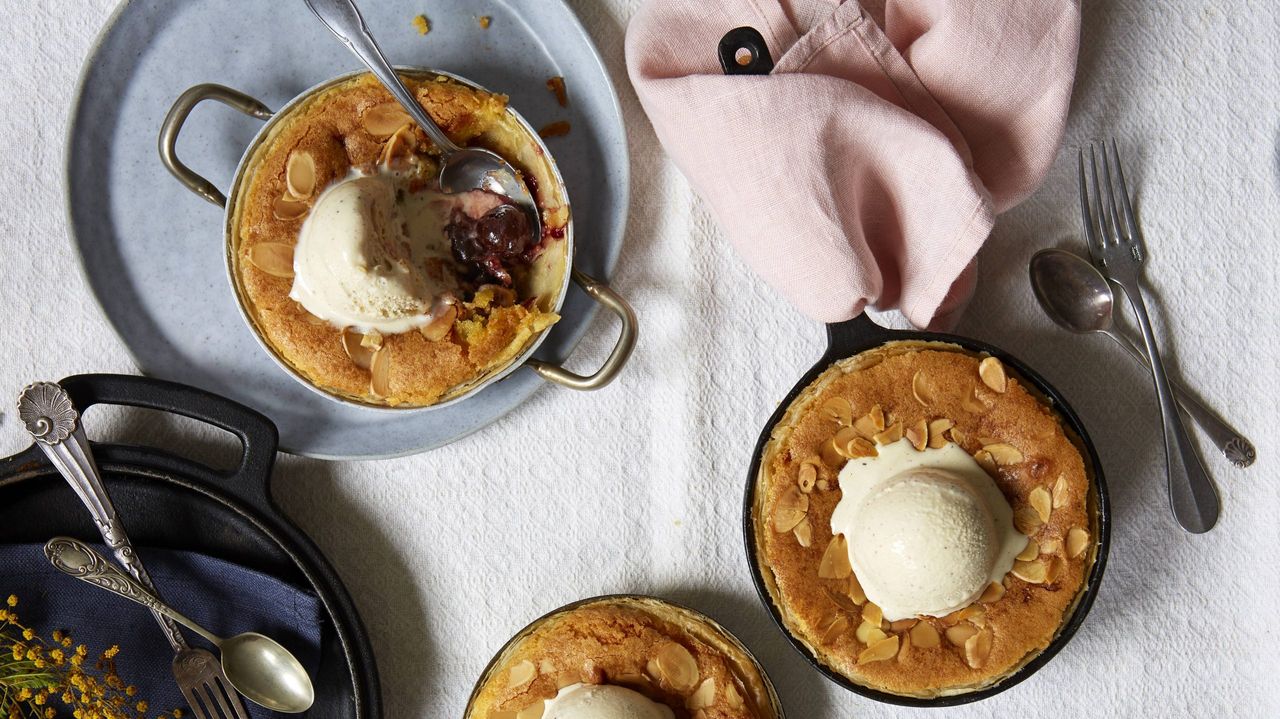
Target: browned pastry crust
(671,655)
(914,383)
(334,129)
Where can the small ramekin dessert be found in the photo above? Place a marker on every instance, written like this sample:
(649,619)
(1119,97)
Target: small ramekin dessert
(623,657)
(367,280)
(922,523)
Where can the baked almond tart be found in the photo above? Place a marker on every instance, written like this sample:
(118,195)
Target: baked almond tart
(672,655)
(355,124)
(930,393)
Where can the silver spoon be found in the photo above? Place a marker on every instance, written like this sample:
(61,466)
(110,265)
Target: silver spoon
(256,666)
(464,168)
(1078,298)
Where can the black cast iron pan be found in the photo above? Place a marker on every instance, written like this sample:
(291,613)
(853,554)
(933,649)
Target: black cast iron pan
(167,501)
(743,51)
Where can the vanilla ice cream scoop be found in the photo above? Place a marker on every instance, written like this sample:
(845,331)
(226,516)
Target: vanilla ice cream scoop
(363,259)
(603,701)
(927,531)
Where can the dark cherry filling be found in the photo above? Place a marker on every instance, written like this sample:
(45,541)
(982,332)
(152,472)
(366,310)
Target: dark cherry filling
(491,243)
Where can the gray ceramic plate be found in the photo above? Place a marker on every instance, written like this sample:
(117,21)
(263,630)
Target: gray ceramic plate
(152,251)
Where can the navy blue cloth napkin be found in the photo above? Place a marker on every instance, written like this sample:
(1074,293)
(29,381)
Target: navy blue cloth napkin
(224,598)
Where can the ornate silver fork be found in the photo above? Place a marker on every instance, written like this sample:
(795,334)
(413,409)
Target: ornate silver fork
(1117,244)
(54,422)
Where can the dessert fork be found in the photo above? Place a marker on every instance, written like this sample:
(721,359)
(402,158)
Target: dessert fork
(54,422)
(1117,245)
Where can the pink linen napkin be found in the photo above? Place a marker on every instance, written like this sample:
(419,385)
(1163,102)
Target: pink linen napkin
(867,169)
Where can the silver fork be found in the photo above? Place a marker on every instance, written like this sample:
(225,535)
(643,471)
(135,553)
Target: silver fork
(54,422)
(1118,247)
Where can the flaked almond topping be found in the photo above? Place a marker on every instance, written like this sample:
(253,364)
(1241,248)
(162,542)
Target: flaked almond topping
(1053,569)
(400,144)
(918,435)
(521,674)
(924,635)
(972,404)
(380,373)
(1041,502)
(872,614)
(1032,572)
(969,612)
(1004,453)
(903,625)
(859,447)
(880,651)
(1050,546)
(960,633)
(353,343)
(855,590)
(877,417)
(840,600)
(286,209)
(791,509)
(300,175)
(868,633)
(803,532)
(273,258)
(834,627)
(977,648)
(986,461)
(921,389)
(372,340)
(843,437)
(676,666)
(992,593)
(1027,520)
(985,440)
(383,120)
(807,477)
(835,560)
(441,326)
(957,436)
(992,373)
(866,426)
(1060,492)
(838,410)
(1077,542)
(891,434)
(546,666)
(823,485)
(1029,552)
(936,439)
(905,650)
(831,456)
(704,696)
(732,696)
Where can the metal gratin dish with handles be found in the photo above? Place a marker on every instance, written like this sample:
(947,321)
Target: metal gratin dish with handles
(553,274)
(743,51)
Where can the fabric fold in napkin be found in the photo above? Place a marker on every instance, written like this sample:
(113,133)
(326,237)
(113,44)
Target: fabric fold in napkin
(224,598)
(868,167)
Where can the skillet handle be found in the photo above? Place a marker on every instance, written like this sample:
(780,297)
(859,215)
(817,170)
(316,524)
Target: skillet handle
(852,336)
(743,51)
(172,126)
(257,434)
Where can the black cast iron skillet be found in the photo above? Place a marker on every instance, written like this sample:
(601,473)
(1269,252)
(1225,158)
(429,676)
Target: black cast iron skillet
(743,51)
(167,501)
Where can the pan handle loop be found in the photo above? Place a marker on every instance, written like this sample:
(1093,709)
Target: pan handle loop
(257,434)
(743,51)
(602,293)
(177,116)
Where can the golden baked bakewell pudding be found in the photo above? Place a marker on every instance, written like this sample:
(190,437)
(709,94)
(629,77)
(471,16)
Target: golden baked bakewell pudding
(623,657)
(361,276)
(924,524)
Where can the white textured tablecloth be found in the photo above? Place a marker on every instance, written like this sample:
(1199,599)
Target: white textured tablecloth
(638,487)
